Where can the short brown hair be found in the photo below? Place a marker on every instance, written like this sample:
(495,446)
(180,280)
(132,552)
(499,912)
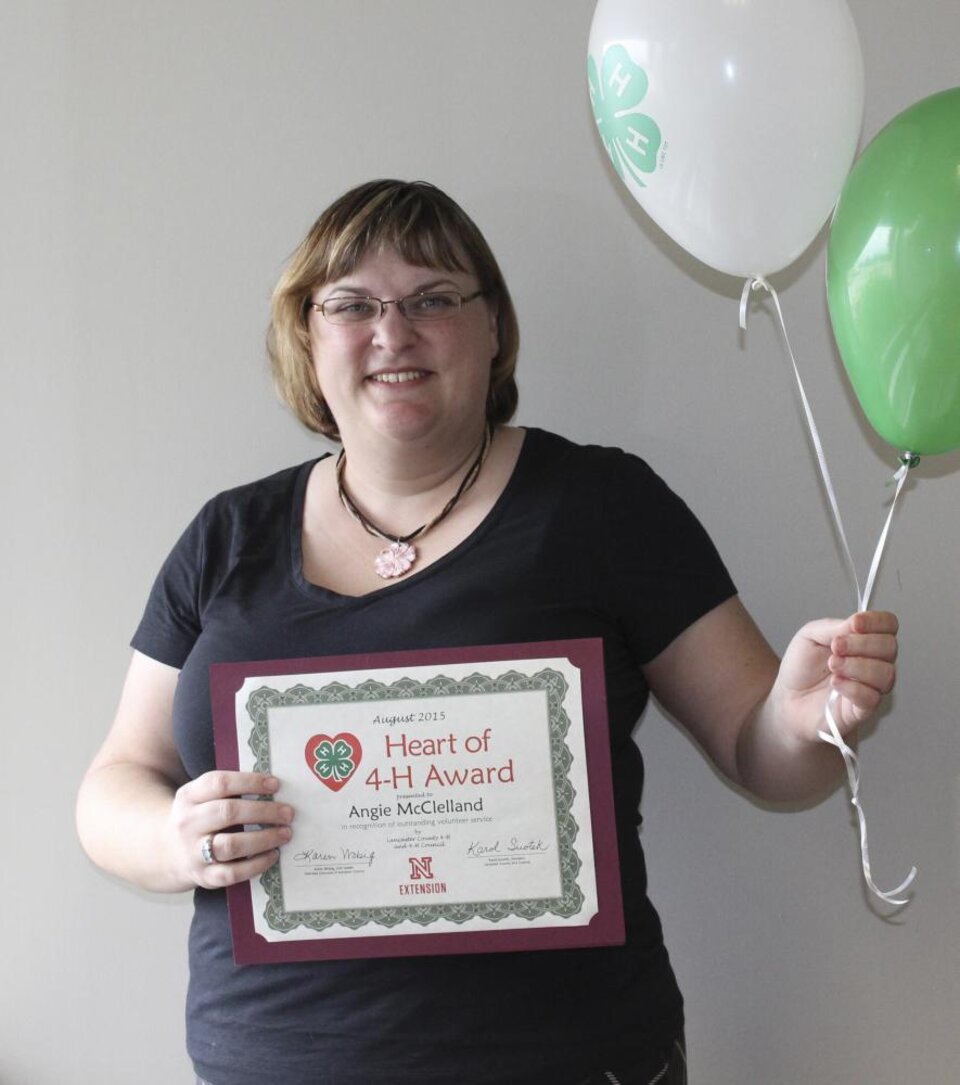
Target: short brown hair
(426,227)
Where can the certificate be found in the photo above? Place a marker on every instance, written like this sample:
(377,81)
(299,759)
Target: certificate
(447,801)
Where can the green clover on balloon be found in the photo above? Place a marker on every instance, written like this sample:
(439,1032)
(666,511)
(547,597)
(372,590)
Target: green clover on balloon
(631,139)
(334,760)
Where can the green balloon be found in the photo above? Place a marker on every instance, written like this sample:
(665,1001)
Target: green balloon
(893,277)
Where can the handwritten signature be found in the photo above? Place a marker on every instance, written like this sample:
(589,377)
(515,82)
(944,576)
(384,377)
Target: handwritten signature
(343,855)
(479,848)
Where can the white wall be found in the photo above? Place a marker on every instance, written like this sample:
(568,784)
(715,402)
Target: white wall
(159,162)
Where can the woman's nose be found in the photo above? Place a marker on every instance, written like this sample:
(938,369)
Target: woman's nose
(393,327)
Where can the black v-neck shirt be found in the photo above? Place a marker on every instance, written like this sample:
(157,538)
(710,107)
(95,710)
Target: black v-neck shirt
(583,542)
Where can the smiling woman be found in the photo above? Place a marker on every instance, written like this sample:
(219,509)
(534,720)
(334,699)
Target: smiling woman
(385,370)
(426,229)
(393,331)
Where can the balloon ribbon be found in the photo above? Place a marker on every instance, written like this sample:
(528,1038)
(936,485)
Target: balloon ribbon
(907,462)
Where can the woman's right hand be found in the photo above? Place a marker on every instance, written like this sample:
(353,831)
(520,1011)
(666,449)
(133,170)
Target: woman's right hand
(214,808)
(141,819)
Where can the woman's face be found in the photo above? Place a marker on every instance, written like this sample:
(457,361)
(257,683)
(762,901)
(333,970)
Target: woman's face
(421,381)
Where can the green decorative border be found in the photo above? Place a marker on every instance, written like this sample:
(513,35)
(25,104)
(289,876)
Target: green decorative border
(551,682)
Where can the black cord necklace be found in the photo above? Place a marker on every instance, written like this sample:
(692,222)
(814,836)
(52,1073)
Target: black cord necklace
(398,558)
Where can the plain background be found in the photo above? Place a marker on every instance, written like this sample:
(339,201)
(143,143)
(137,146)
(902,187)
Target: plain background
(160,161)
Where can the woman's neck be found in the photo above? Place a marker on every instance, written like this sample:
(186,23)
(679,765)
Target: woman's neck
(399,486)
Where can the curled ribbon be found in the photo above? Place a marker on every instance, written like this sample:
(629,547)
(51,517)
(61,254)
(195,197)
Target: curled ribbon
(907,462)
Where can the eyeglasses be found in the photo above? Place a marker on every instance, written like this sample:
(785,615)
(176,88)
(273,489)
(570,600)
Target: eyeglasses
(428,305)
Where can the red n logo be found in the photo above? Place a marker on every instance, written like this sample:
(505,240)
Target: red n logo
(421,867)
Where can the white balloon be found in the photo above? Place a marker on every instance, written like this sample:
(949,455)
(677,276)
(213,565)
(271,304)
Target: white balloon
(733,123)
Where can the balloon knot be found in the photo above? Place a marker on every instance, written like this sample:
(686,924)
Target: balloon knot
(909,460)
(754,282)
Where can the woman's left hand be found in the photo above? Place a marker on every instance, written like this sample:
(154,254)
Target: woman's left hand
(855,656)
(757,718)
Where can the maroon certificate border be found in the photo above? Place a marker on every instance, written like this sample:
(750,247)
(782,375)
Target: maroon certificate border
(606,927)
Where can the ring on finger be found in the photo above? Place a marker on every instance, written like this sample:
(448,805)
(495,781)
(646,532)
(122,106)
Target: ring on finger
(206,850)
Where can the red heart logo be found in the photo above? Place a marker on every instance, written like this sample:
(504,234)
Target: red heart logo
(333,760)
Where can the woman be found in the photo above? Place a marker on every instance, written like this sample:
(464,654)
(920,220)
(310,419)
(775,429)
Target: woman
(439,525)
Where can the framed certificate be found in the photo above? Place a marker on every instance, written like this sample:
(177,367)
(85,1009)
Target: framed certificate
(448,801)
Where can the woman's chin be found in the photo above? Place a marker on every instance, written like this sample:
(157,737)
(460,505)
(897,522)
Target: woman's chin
(403,421)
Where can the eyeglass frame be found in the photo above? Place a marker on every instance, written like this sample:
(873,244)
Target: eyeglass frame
(318,306)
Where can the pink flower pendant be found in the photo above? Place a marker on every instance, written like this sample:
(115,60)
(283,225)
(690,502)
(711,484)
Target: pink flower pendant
(394,560)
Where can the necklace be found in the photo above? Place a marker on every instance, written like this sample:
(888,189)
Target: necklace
(398,558)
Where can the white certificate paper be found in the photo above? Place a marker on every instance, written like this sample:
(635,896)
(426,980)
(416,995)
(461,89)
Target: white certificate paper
(446,801)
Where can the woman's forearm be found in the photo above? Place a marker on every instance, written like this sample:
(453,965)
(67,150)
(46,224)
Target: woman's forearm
(775,765)
(123,812)
(758,717)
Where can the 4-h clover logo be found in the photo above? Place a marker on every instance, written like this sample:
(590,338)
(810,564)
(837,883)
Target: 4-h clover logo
(632,139)
(333,760)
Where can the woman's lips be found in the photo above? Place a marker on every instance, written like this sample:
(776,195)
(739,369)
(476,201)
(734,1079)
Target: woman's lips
(397,377)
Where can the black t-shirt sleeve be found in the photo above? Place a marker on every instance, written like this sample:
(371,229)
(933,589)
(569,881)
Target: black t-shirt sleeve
(248,521)
(171,619)
(661,569)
